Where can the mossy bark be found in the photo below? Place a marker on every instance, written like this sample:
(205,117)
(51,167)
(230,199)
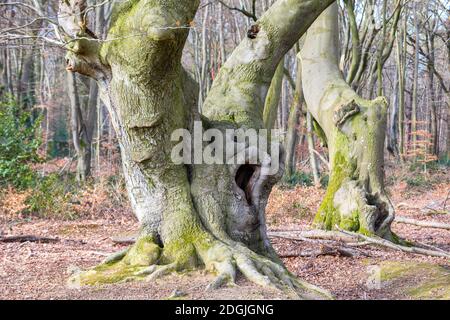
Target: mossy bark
(355,133)
(196,215)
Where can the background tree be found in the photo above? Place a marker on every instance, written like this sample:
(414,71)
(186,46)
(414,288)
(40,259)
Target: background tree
(355,133)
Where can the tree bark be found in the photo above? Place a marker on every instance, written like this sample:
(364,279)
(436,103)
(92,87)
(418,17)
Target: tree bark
(292,137)
(80,136)
(311,148)
(415,87)
(273,97)
(355,131)
(393,123)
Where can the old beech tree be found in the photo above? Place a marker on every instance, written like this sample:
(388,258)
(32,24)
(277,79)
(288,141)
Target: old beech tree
(354,129)
(213,216)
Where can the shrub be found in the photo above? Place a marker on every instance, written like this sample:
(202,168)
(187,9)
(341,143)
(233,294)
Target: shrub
(418,181)
(299,178)
(19,143)
(53,197)
(324,181)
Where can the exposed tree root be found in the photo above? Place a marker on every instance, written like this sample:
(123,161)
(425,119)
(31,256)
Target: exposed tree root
(426,224)
(146,261)
(327,250)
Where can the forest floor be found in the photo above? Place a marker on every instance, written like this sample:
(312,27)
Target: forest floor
(31,270)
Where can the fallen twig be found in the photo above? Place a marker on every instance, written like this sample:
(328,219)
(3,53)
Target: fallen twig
(38,239)
(28,239)
(391,245)
(353,239)
(419,223)
(326,251)
(124,240)
(311,235)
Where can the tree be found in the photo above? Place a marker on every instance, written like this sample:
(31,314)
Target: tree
(211,215)
(355,132)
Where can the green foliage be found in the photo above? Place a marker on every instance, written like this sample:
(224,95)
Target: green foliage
(418,180)
(19,143)
(299,178)
(302,210)
(444,161)
(59,146)
(52,197)
(324,181)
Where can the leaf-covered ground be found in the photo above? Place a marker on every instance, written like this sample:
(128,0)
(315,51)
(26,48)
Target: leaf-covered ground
(32,270)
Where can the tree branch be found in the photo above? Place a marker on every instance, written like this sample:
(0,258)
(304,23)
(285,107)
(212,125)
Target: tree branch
(238,93)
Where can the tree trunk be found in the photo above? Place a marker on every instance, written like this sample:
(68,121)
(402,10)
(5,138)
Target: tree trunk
(273,97)
(415,89)
(393,123)
(311,148)
(292,137)
(355,131)
(434,119)
(401,76)
(80,135)
(210,215)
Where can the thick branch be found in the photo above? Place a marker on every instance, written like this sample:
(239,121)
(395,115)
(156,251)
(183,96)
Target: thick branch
(239,92)
(426,224)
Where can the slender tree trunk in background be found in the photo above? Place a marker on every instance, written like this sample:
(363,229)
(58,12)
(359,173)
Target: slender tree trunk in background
(214,214)
(393,123)
(25,88)
(284,106)
(432,95)
(8,73)
(311,148)
(401,75)
(99,127)
(292,137)
(273,97)
(204,60)
(100,23)
(91,114)
(356,42)
(415,89)
(79,131)
(448,132)
(223,54)
(381,48)
(355,131)
(3,73)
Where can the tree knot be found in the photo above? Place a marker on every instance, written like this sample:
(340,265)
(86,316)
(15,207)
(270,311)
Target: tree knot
(345,112)
(253,31)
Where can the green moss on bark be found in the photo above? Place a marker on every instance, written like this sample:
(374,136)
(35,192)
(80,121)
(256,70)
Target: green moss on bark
(342,168)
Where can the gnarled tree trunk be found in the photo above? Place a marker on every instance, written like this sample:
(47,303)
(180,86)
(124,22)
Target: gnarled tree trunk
(208,215)
(355,131)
